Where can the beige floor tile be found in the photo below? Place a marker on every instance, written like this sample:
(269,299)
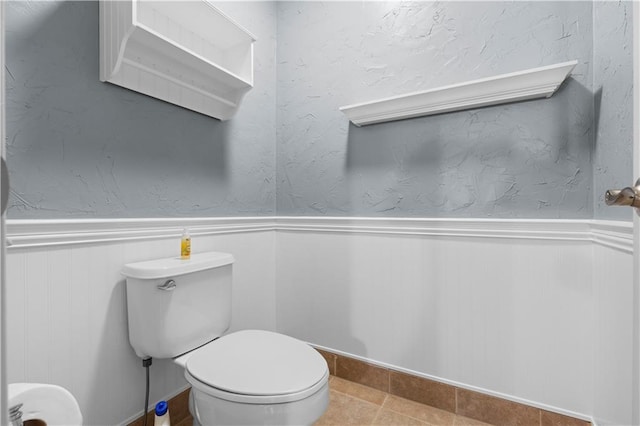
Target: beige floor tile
(465,421)
(419,411)
(391,418)
(346,410)
(358,391)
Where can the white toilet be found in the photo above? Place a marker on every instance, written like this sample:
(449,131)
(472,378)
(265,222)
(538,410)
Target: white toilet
(179,309)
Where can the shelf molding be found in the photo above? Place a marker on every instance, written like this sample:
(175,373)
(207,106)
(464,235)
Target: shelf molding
(528,84)
(186,53)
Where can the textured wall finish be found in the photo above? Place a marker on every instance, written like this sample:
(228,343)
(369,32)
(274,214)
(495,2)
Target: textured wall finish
(613,120)
(79,148)
(82,148)
(529,159)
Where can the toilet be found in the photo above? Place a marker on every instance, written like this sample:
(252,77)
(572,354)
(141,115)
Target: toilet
(180,309)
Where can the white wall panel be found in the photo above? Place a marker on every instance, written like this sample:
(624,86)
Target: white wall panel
(510,315)
(613,336)
(67,323)
(535,311)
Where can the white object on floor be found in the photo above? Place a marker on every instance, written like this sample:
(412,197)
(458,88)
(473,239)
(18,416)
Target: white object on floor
(50,403)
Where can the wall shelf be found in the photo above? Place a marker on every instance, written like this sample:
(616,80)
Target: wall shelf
(518,86)
(187,53)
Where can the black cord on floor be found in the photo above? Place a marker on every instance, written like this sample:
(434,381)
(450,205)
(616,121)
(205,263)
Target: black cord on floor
(146,363)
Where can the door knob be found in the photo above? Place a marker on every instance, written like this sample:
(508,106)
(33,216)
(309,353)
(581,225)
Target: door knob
(629,196)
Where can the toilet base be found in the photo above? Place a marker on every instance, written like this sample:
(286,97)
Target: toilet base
(208,410)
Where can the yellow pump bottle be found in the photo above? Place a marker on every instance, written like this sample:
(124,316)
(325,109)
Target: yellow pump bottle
(185,245)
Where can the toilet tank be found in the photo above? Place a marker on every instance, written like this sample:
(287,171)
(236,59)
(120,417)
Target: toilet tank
(165,323)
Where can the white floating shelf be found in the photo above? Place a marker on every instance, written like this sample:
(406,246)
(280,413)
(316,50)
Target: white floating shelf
(518,86)
(187,53)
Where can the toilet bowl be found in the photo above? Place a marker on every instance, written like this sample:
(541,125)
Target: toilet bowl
(48,404)
(256,377)
(181,309)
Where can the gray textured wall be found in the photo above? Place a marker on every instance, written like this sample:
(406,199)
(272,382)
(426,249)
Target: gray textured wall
(613,87)
(81,148)
(530,159)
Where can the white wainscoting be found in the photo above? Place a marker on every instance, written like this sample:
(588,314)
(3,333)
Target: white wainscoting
(507,307)
(613,304)
(534,311)
(66,316)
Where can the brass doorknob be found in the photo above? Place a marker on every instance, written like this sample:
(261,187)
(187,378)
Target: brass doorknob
(629,196)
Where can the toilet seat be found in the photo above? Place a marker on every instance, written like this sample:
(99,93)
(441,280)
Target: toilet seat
(257,367)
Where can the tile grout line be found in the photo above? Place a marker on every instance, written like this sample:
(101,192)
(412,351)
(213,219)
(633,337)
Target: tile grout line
(384,402)
(382,406)
(357,397)
(407,415)
(455,401)
(377,415)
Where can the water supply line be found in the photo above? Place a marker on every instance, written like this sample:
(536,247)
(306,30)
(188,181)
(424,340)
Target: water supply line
(146,363)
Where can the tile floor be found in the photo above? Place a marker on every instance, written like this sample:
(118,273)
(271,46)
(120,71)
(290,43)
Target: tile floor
(354,404)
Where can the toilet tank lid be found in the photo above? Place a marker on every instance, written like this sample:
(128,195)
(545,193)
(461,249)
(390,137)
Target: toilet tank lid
(173,266)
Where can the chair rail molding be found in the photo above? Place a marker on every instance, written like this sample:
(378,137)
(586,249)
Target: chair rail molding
(34,233)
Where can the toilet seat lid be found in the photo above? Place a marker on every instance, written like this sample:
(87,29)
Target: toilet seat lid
(256,362)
